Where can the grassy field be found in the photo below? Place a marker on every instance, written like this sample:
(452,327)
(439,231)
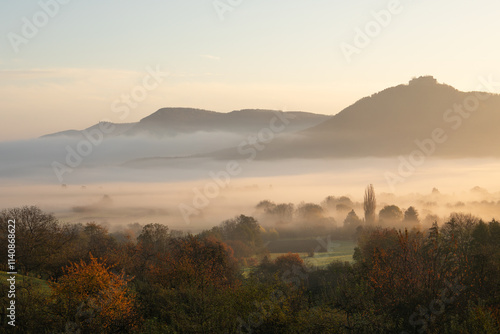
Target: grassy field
(20,279)
(338,250)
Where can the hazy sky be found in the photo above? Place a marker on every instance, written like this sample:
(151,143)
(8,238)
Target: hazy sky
(69,65)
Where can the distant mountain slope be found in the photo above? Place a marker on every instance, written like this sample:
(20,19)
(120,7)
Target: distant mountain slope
(175,121)
(390,123)
(118,129)
(423,115)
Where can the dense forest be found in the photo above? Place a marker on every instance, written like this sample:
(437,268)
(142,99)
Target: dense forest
(405,276)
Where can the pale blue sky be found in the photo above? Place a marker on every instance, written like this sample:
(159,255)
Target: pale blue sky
(264,54)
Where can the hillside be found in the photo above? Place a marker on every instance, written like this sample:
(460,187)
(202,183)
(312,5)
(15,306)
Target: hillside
(170,122)
(391,122)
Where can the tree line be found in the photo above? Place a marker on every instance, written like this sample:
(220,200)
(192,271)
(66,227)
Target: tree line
(150,279)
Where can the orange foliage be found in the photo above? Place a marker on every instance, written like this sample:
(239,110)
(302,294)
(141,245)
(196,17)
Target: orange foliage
(288,261)
(94,298)
(291,268)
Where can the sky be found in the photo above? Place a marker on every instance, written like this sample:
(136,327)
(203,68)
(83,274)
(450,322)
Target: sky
(67,64)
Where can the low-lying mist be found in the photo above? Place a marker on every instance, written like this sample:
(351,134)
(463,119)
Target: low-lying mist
(195,195)
(34,159)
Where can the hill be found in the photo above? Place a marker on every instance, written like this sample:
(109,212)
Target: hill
(398,121)
(170,122)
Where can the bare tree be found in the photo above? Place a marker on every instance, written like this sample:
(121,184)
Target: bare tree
(370,205)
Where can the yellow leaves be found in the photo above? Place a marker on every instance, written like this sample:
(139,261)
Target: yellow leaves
(93,296)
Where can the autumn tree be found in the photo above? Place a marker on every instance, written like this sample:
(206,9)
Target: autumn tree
(40,237)
(287,275)
(398,272)
(98,240)
(457,234)
(195,261)
(155,237)
(90,298)
(190,286)
(371,241)
(289,268)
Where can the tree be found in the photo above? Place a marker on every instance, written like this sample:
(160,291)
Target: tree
(201,262)
(310,211)
(369,205)
(342,203)
(153,243)
(91,298)
(279,214)
(39,237)
(266,205)
(155,238)
(190,284)
(371,241)
(284,212)
(342,208)
(243,228)
(481,234)
(291,268)
(288,268)
(430,219)
(458,230)
(391,214)
(352,221)
(411,216)
(494,229)
(99,242)
(241,250)
(313,220)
